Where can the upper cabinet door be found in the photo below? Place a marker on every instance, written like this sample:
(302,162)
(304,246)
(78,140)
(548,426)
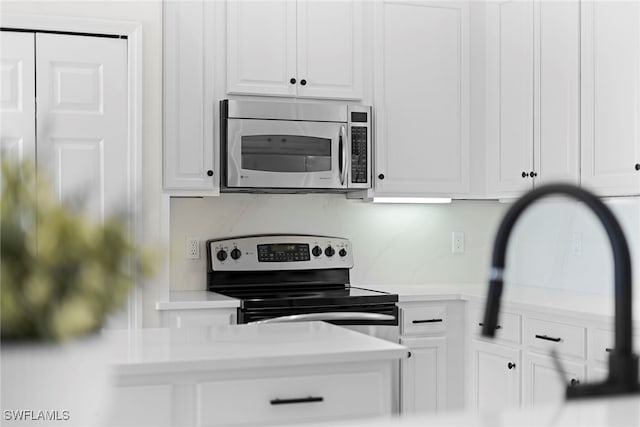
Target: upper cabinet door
(422,98)
(611,97)
(330,49)
(557,82)
(189,156)
(17,103)
(510,96)
(82,121)
(261,48)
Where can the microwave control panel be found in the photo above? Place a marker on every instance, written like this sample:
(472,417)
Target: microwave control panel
(359,126)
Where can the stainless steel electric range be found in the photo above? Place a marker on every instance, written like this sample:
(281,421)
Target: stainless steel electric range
(281,277)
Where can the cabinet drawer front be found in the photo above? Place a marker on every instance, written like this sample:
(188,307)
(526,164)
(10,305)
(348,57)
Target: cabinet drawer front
(509,326)
(601,343)
(567,340)
(424,320)
(291,399)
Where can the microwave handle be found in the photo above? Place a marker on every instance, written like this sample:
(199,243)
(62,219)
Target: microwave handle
(343,151)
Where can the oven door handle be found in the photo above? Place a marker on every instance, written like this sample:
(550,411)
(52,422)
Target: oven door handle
(344,315)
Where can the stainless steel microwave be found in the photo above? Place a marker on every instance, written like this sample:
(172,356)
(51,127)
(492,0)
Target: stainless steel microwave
(294,147)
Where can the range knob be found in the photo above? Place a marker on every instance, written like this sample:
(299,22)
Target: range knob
(221,255)
(236,253)
(343,252)
(316,251)
(329,251)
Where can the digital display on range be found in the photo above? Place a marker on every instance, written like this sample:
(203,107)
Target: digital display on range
(283,252)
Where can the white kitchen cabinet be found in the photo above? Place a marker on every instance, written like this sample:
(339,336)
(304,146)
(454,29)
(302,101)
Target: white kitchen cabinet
(421,64)
(198,317)
(543,383)
(496,376)
(303,48)
(532,94)
(423,375)
(189,158)
(610,47)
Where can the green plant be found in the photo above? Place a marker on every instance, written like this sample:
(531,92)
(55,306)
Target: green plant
(61,273)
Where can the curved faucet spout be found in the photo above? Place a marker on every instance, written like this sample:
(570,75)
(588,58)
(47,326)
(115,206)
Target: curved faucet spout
(623,364)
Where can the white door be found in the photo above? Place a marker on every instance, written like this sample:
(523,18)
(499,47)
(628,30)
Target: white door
(423,375)
(557,83)
(510,96)
(544,384)
(17,96)
(496,376)
(610,115)
(330,47)
(261,47)
(422,99)
(82,121)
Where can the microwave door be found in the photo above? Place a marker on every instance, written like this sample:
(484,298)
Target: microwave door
(286,154)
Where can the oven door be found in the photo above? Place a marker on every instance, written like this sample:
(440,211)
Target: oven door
(286,154)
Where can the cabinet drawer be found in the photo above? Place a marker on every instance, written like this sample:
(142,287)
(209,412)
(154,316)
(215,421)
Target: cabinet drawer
(602,341)
(567,340)
(424,320)
(509,326)
(291,399)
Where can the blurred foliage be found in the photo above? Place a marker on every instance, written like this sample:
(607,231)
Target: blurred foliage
(62,274)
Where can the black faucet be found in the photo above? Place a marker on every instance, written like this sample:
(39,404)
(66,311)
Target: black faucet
(623,364)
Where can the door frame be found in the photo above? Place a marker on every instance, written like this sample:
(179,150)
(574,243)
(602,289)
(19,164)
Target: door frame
(133,33)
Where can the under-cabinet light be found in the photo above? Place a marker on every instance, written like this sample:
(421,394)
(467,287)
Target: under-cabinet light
(411,200)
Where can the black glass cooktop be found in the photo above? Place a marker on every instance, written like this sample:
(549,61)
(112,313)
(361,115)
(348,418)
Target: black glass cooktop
(308,296)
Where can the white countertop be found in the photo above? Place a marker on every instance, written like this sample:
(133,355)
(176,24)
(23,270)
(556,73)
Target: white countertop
(188,300)
(613,412)
(163,350)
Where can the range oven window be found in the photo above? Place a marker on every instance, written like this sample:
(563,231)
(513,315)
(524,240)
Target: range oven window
(283,252)
(285,153)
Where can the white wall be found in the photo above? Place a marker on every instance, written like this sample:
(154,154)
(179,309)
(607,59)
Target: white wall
(392,244)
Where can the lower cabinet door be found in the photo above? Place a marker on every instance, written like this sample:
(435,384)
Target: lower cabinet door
(544,384)
(496,377)
(423,375)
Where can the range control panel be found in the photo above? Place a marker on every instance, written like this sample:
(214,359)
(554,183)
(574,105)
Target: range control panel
(278,252)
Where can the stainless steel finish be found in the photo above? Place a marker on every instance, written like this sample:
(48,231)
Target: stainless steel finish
(343,147)
(249,260)
(276,110)
(328,316)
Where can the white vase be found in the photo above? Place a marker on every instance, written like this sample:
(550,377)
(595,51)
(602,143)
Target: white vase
(46,384)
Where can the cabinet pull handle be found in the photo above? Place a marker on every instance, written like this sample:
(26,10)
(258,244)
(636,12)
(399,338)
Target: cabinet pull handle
(547,338)
(209,173)
(292,81)
(427,321)
(638,166)
(303,82)
(511,365)
(574,381)
(381,176)
(497,327)
(309,399)
(608,350)
(524,174)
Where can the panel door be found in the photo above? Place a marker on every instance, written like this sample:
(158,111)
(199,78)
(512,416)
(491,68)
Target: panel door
(557,82)
(82,121)
(189,107)
(496,377)
(17,96)
(610,150)
(422,99)
(261,47)
(423,375)
(510,96)
(544,384)
(330,49)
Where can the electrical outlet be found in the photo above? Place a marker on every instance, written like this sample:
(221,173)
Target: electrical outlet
(576,243)
(457,242)
(192,248)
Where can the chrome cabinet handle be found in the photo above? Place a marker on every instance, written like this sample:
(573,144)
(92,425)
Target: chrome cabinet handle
(345,315)
(309,399)
(342,137)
